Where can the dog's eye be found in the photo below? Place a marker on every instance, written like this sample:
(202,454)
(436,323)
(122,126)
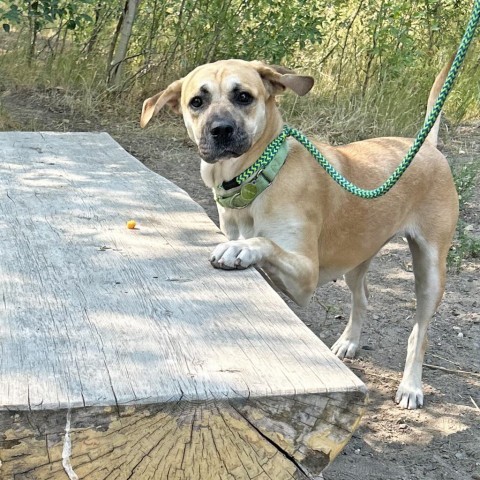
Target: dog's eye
(196,102)
(244,98)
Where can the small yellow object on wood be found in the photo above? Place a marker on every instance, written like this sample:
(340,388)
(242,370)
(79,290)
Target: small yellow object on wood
(131,224)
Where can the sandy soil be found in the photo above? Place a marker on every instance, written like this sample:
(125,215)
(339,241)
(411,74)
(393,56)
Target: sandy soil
(440,441)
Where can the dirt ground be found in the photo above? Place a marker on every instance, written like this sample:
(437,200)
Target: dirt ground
(440,441)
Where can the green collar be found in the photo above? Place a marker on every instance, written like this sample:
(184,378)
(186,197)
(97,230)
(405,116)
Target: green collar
(246,187)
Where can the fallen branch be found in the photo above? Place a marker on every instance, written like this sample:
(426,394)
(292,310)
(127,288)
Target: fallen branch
(370,374)
(442,358)
(451,370)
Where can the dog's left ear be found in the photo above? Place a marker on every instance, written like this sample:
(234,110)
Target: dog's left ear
(170,96)
(277,79)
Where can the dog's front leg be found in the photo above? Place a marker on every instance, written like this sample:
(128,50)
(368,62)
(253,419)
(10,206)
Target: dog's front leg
(293,273)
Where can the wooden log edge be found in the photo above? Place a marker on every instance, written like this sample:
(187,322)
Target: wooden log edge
(263,438)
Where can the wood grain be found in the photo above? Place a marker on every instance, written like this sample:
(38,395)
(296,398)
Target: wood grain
(103,324)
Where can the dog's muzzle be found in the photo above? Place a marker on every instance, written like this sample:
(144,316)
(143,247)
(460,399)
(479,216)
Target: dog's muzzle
(223,138)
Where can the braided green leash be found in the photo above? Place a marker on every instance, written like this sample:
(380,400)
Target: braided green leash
(287,131)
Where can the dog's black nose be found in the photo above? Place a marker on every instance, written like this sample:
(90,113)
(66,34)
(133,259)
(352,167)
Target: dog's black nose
(222,129)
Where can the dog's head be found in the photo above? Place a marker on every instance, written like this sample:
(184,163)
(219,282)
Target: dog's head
(225,104)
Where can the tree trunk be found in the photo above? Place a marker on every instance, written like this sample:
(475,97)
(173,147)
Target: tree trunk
(113,43)
(344,46)
(33,30)
(120,52)
(96,30)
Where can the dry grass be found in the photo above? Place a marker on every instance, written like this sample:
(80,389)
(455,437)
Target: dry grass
(391,106)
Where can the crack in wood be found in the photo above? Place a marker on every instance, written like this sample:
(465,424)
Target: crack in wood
(67,450)
(274,444)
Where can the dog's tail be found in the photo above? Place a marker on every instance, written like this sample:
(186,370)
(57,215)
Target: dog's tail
(432,98)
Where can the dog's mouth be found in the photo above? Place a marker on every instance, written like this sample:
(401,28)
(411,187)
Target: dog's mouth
(213,150)
(214,155)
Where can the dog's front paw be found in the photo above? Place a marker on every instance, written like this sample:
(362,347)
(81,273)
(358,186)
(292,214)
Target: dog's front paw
(409,396)
(236,254)
(344,347)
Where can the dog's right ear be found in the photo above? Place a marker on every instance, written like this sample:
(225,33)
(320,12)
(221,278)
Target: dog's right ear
(170,96)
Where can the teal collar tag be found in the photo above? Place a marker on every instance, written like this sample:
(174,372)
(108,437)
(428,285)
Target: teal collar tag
(253,185)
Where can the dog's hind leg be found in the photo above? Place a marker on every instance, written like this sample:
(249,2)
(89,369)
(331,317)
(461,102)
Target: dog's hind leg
(347,344)
(429,267)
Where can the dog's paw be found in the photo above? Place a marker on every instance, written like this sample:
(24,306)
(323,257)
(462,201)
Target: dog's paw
(344,348)
(238,254)
(409,396)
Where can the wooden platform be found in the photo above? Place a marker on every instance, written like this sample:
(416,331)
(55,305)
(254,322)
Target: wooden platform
(125,355)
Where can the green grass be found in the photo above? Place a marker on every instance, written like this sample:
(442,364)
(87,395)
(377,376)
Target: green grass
(465,245)
(465,177)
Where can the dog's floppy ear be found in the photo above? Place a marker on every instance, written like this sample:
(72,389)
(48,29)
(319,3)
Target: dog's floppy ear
(170,96)
(278,78)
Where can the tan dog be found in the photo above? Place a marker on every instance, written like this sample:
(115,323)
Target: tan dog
(304,230)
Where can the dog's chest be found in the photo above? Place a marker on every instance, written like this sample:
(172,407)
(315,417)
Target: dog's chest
(237,224)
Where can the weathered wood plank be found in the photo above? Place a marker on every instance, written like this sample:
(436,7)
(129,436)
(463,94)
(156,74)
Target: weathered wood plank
(109,326)
(240,439)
